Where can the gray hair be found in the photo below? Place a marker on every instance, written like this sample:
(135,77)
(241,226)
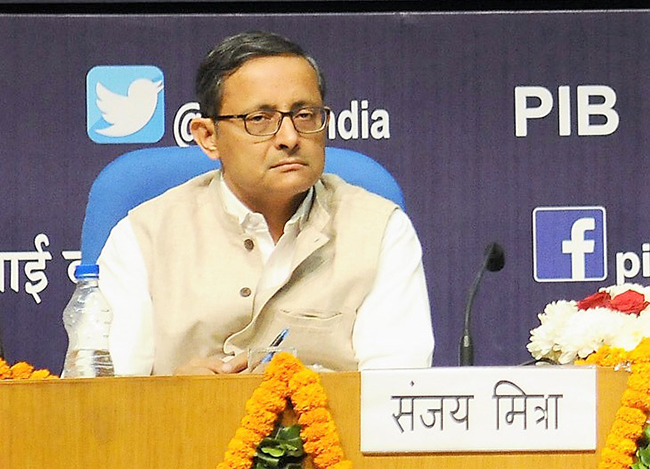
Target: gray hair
(228,56)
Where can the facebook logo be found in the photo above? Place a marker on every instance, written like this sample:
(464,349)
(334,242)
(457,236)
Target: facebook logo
(125,104)
(569,244)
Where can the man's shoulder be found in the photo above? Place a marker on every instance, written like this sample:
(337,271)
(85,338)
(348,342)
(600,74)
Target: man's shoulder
(187,193)
(343,193)
(340,188)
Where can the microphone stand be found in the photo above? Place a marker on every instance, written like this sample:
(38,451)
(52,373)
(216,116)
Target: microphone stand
(466,343)
(493,261)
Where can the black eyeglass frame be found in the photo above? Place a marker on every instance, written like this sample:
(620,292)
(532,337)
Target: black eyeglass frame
(283,114)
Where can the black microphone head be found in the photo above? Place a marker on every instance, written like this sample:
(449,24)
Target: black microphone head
(495,258)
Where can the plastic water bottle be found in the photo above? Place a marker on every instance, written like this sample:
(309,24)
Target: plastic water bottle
(87,320)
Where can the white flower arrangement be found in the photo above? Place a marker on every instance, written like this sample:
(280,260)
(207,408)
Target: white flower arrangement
(618,316)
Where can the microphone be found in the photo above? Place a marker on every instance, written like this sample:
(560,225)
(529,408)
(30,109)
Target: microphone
(493,261)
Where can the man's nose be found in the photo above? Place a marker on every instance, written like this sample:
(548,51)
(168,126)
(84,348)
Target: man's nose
(287,136)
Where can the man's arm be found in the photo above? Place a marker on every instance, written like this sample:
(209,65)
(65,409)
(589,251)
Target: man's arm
(123,281)
(393,326)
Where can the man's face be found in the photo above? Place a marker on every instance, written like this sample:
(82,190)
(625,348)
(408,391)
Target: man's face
(277,167)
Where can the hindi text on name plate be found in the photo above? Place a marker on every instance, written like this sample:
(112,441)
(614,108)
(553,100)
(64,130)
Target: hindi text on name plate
(478,409)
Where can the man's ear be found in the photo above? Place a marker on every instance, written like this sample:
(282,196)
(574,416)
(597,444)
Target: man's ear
(204,133)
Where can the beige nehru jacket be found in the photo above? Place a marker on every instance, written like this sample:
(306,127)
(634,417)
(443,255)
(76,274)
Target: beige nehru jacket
(204,271)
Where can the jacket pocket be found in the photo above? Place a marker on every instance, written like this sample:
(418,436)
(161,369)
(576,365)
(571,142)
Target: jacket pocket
(311,318)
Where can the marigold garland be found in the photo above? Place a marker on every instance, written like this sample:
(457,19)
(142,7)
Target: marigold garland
(23,370)
(632,416)
(287,378)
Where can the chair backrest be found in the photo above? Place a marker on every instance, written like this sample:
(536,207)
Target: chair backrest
(140,175)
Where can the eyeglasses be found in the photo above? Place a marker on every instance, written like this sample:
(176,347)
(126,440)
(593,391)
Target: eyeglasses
(306,120)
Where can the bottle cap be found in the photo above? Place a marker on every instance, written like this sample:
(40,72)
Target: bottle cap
(86,271)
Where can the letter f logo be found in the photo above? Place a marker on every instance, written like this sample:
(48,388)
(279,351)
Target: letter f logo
(577,246)
(569,244)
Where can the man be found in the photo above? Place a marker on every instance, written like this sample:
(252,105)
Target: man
(227,260)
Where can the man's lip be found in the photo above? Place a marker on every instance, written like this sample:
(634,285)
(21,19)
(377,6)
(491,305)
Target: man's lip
(288,163)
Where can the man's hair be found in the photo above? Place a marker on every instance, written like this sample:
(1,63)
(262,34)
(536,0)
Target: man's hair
(228,56)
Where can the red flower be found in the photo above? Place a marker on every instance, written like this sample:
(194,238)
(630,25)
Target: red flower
(601,298)
(629,302)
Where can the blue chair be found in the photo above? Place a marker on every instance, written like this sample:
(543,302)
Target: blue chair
(140,175)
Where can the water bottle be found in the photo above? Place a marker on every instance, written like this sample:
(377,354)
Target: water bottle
(87,320)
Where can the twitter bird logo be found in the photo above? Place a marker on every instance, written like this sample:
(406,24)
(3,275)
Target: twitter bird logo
(125,104)
(129,113)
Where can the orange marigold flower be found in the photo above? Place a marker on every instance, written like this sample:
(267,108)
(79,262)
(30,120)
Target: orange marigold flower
(303,378)
(320,414)
(239,448)
(249,437)
(627,430)
(639,382)
(5,371)
(282,367)
(594,358)
(631,415)
(261,399)
(308,397)
(326,443)
(613,439)
(262,422)
(317,431)
(284,373)
(329,458)
(641,353)
(40,374)
(616,459)
(254,408)
(636,399)
(625,446)
(277,388)
(21,370)
(233,461)
(641,368)
(607,356)
(342,465)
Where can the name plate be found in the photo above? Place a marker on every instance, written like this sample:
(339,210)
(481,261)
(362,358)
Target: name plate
(478,409)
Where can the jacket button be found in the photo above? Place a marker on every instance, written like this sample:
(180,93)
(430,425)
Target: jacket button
(245,292)
(249,244)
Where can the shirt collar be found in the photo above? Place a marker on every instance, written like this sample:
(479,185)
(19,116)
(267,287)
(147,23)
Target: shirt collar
(251,220)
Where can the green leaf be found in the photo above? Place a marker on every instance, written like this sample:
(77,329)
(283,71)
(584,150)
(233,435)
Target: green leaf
(296,442)
(294,448)
(274,451)
(267,461)
(289,433)
(286,445)
(296,454)
(268,442)
(644,455)
(282,450)
(646,433)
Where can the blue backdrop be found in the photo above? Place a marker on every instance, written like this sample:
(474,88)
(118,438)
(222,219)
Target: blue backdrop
(485,119)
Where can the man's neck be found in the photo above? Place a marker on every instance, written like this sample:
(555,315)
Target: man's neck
(278,212)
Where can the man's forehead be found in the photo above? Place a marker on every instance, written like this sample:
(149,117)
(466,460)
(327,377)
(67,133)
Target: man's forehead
(264,81)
